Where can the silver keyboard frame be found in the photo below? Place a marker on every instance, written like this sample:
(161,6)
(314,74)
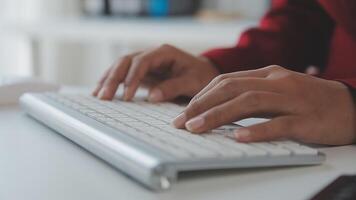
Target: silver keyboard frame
(148,165)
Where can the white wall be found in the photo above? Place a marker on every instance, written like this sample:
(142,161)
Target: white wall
(16,55)
(245,8)
(14,49)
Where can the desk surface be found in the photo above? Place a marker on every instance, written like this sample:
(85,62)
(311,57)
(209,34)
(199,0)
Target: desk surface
(36,163)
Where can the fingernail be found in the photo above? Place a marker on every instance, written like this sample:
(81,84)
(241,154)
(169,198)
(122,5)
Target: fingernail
(155,96)
(179,121)
(242,135)
(195,123)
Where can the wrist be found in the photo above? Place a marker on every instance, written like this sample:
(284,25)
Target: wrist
(352,92)
(211,65)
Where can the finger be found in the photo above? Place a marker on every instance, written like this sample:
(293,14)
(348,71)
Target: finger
(258,73)
(250,104)
(141,65)
(223,92)
(277,128)
(169,90)
(115,77)
(101,82)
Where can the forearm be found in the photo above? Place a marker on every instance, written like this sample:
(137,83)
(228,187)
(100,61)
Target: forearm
(351,85)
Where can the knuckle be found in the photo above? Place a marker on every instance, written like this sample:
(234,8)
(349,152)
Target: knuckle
(167,47)
(286,78)
(291,80)
(139,62)
(140,59)
(126,58)
(227,84)
(275,68)
(121,61)
(220,78)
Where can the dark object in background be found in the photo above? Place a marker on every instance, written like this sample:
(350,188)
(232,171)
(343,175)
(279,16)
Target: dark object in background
(95,7)
(155,8)
(343,188)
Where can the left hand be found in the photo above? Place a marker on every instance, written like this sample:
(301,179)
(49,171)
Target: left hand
(302,107)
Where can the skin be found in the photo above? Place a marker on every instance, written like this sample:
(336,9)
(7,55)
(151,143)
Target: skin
(300,106)
(166,70)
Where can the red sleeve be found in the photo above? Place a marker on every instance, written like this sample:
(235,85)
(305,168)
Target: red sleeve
(293,34)
(348,16)
(350,82)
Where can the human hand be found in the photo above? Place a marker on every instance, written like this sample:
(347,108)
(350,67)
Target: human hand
(301,107)
(168,71)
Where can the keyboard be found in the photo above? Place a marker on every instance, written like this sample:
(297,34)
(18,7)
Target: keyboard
(138,139)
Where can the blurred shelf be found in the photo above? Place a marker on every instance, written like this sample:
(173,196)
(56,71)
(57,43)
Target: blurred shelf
(74,50)
(183,31)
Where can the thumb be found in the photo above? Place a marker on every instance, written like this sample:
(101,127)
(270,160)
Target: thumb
(280,127)
(168,90)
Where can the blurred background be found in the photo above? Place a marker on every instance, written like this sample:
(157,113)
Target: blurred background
(73,41)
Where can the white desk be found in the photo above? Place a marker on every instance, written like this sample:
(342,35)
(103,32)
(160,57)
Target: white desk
(36,163)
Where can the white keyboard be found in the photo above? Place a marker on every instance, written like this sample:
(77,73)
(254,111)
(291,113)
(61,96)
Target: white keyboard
(150,125)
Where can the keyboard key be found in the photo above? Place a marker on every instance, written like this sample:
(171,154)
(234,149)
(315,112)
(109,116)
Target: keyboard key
(302,150)
(272,149)
(151,123)
(247,149)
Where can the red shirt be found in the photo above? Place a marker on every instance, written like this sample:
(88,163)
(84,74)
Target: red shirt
(296,34)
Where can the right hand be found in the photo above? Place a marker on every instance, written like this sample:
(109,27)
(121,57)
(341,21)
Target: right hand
(173,73)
